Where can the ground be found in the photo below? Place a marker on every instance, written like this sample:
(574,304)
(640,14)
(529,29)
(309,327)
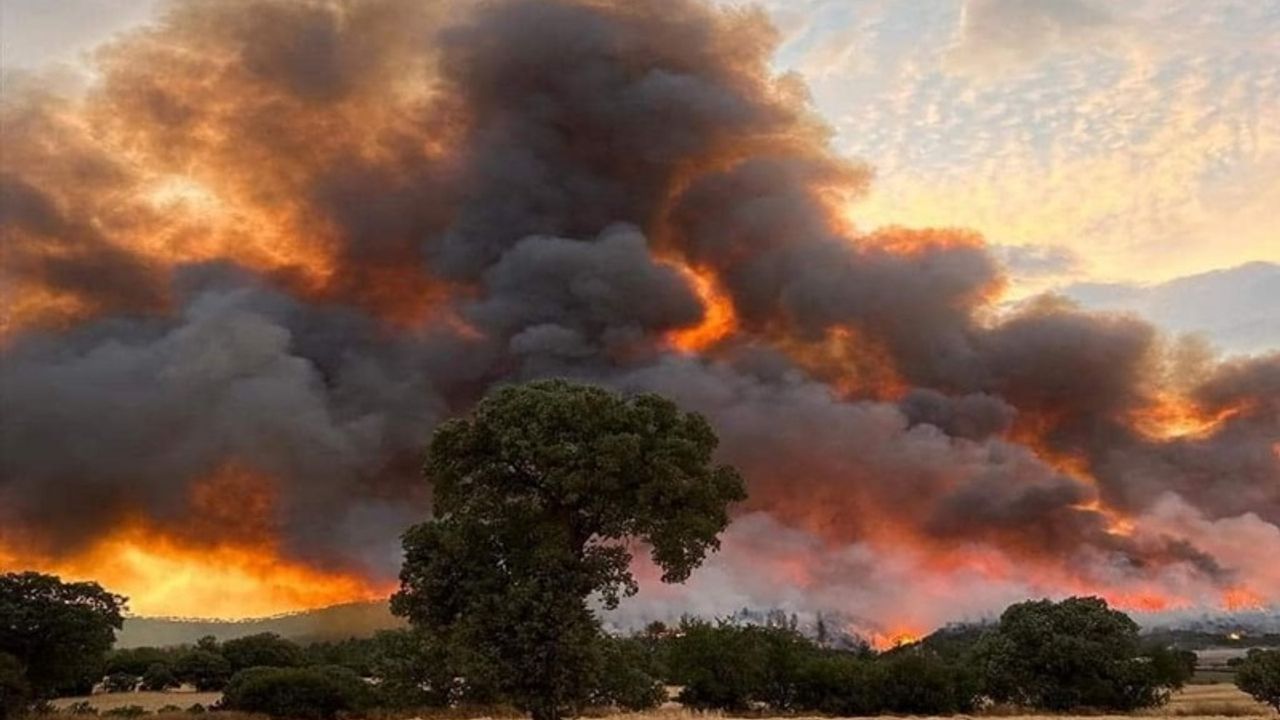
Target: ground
(1196,701)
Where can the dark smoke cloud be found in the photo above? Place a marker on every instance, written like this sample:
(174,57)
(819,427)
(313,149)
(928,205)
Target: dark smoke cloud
(427,199)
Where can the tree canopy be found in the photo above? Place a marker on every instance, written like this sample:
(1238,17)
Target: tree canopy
(1259,676)
(1077,653)
(541,494)
(58,632)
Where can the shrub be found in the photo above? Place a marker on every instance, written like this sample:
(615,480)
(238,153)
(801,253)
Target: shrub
(629,675)
(837,683)
(126,711)
(84,707)
(159,677)
(916,682)
(717,666)
(136,661)
(1259,676)
(197,709)
(412,669)
(262,650)
(206,670)
(310,693)
(15,692)
(120,683)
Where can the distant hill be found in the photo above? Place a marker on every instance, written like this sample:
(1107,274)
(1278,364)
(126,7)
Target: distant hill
(332,623)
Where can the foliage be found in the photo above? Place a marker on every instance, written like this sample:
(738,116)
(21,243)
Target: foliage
(262,650)
(310,693)
(732,667)
(413,670)
(121,682)
(136,661)
(355,654)
(59,632)
(630,674)
(207,671)
(1259,676)
(84,707)
(159,677)
(919,682)
(1078,653)
(538,496)
(15,692)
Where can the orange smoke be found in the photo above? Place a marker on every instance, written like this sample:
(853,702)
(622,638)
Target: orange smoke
(221,560)
(1172,416)
(718,319)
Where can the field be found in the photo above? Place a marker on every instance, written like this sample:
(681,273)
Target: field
(1196,701)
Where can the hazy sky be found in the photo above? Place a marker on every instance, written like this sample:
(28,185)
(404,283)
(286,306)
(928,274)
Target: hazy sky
(1131,141)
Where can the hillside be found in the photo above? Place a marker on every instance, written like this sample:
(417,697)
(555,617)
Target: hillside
(331,623)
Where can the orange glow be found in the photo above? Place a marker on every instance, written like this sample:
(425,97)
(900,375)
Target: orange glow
(221,561)
(1172,417)
(718,319)
(1237,599)
(897,637)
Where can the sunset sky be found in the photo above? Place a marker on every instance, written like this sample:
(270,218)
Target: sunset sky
(1131,142)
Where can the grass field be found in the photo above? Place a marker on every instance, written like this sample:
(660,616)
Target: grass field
(1196,701)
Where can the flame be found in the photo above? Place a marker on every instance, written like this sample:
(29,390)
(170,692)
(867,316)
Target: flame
(718,318)
(1239,599)
(1173,417)
(221,560)
(895,638)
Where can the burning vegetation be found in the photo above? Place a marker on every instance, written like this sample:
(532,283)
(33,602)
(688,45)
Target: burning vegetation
(273,244)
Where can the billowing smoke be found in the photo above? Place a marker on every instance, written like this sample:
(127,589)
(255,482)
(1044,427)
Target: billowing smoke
(275,241)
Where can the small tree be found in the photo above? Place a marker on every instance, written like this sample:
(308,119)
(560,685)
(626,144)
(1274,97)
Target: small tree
(159,677)
(207,671)
(262,650)
(1259,676)
(58,632)
(539,496)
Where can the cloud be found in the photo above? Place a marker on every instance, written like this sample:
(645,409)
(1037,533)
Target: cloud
(1005,35)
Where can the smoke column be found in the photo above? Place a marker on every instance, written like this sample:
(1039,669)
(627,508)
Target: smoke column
(274,242)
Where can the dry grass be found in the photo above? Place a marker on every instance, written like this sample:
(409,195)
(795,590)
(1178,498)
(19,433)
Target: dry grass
(1196,701)
(149,701)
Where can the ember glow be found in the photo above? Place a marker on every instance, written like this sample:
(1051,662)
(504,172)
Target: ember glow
(273,243)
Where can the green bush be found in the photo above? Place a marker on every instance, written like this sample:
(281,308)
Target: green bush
(1074,654)
(159,677)
(136,661)
(206,670)
(838,683)
(1259,676)
(629,675)
(413,670)
(918,682)
(310,693)
(262,650)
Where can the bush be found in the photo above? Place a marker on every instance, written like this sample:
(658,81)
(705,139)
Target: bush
(412,669)
(1073,654)
(136,661)
(120,683)
(916,682)
(15,692)
(262,650)
(127,711)
(1259,676)
(84,707)
(838,683)
(159,677)
(310,693)
(629,675)
(206,670)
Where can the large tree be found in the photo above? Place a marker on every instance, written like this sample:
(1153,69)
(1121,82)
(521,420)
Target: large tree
(1077,653)
(541,495)
(58,632)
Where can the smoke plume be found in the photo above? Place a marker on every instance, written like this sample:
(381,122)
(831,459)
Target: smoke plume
(274,242)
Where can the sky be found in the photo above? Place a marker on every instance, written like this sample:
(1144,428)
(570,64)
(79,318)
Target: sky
(1125,142)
